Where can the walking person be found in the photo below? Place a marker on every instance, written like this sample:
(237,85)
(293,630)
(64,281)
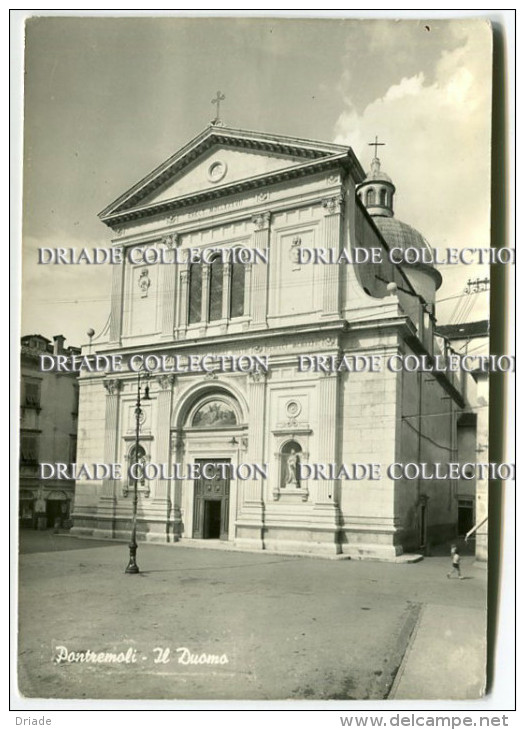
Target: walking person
(456,560)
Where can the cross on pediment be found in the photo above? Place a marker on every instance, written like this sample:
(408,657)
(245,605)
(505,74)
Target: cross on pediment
(220,97)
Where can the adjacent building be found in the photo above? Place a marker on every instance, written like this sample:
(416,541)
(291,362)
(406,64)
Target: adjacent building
(274,196)
(472,338)
(48,432)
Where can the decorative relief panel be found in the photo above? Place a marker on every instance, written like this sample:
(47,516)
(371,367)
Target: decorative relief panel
(333,178)
(216,414)
(294,254)
(144,283)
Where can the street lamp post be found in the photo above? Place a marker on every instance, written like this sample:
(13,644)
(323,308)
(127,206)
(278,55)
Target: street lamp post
(132,566)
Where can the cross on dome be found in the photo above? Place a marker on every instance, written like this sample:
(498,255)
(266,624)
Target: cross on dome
(376,144)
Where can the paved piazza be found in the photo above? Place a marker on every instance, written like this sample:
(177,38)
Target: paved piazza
(289,627)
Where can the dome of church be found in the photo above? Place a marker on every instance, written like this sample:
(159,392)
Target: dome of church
(377,192)
(400,235)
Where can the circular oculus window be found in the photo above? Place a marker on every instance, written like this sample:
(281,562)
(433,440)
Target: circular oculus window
(293,408)
(216,171)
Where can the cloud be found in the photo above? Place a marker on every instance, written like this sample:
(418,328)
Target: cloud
(407,87)
(438,145)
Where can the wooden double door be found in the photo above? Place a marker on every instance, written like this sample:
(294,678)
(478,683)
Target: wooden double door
(211,503)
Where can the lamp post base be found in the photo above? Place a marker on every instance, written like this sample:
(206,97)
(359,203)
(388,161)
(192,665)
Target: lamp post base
(132,566)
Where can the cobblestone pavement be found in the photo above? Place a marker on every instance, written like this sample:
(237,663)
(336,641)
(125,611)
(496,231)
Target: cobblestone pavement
(272,626)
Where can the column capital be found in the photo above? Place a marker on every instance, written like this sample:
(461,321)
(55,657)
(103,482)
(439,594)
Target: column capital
(172,240)
(331,373)
(261,221)
(334,205)
(113,386)
(258,377)
(166,381)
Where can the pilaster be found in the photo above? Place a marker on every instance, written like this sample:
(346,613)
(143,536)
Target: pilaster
(248,270)
(165,384)
(108,497)
(113,388)
(334,208)
(226,290)
(206,275)
(326,496)
(168,277)
(183,301)
(250,525)
(160,507)
(259,274)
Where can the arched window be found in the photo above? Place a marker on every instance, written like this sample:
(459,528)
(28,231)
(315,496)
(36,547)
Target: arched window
(383,196)
(370,197)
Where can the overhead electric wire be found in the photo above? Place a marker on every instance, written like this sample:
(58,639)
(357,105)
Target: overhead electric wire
(427,438)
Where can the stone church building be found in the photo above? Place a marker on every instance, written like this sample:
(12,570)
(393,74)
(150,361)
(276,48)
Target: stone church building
(235,189)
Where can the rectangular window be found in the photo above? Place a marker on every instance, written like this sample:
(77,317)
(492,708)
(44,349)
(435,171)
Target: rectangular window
(31,395)
(29,448)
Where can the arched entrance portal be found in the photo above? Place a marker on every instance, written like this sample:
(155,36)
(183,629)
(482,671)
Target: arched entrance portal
(211,437)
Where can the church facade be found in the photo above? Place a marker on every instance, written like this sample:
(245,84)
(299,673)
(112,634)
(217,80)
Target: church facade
(215,271)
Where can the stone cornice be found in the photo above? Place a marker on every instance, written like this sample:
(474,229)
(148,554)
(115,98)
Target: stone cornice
(346,160)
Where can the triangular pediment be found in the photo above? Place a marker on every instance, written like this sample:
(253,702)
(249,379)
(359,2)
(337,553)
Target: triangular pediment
(216,158)
(220,166)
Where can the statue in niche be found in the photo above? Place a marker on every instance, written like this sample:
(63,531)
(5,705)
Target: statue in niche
(290,459)
(292,464)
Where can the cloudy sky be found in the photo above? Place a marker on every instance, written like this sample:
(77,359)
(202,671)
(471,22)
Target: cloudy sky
(108,99)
